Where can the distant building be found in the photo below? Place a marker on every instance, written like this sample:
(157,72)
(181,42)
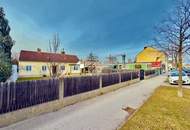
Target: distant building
(91,66)
(37,64)
(154,57)
(14,73)
(137,66)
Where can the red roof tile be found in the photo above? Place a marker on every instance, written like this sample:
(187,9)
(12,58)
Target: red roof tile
(47,57)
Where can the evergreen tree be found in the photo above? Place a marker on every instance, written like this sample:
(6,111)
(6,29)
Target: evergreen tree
(6,44)
(92,58)
(5,67)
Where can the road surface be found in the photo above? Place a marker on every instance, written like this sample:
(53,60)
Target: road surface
(100,113)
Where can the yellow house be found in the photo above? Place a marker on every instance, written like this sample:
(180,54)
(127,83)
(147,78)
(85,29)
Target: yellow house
(44,64)
(158,59)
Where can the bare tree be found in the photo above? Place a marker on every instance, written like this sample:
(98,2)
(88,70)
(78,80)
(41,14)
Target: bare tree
(174,36)
(112,59)
(92,59)
(54,46)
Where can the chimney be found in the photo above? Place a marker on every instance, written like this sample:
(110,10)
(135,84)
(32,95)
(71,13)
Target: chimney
(145,47)
(63,51)
(39,50)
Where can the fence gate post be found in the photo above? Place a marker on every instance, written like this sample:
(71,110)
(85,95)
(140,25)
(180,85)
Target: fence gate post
(141,74)
(61,88)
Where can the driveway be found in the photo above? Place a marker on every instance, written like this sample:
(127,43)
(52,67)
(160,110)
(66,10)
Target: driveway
(100,113)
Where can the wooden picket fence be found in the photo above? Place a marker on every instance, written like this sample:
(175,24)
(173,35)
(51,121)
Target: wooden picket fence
(150,72)
(18,95)
(110,79)
(77,85)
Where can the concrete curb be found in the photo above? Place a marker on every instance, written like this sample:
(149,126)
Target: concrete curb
(129,117)
(132,115)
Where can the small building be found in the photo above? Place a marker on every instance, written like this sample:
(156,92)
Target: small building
(91,66)
(44,64)
(14,73)
(156,58)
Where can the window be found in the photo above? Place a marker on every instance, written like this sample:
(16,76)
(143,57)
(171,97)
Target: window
(62,67)
(44,68)
(28,68)
(76,67)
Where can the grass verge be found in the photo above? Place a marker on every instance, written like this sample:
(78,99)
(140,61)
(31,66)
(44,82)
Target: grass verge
(163,111)
(29,78)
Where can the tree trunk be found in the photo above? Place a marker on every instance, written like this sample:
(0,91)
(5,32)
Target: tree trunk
(175,61)
(180,67)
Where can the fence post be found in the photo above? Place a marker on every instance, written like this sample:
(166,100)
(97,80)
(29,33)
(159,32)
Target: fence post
(1,95)
(119,77)
(8,95)
(100,81)
(61,88)
(14,93)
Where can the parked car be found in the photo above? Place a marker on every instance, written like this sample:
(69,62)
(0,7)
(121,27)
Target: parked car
(187,71)
(174,77)
(172,71)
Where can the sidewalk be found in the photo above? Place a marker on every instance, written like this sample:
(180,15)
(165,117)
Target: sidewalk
(100,113)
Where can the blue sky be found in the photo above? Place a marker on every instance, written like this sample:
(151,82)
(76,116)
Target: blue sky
(100,26)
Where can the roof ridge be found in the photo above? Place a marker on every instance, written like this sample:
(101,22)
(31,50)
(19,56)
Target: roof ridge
(47,52)
(26,55)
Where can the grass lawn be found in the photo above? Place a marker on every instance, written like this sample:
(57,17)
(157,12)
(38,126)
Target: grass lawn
(163,111)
